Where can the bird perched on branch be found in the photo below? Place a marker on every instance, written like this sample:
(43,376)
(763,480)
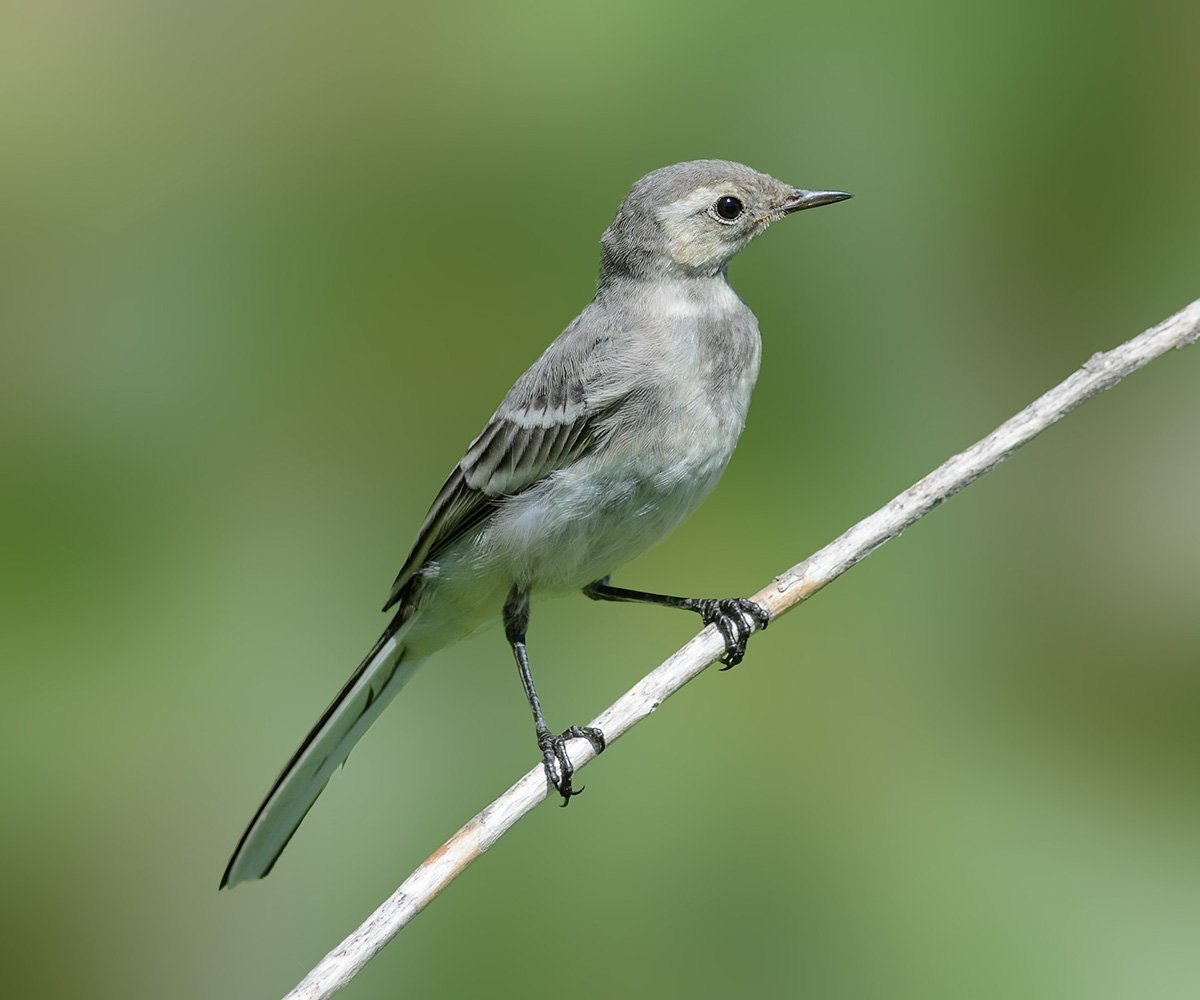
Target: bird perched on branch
(605,444)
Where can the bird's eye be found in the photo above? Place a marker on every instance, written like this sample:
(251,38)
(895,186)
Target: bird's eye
(728,207)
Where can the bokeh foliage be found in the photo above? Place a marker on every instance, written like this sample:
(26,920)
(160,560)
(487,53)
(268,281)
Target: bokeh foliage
(267,268)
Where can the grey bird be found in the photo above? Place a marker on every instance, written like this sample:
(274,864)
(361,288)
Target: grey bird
(612,437)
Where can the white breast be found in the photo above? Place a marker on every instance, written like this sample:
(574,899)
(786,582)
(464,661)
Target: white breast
(690,350)
(680,299)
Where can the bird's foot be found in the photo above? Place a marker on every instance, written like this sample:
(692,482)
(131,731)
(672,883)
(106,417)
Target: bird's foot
(736,619)
(559,768)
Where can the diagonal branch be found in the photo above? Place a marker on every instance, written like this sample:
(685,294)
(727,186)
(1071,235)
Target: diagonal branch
(1098,373)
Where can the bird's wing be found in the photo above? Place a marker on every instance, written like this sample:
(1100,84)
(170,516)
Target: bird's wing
(547,421)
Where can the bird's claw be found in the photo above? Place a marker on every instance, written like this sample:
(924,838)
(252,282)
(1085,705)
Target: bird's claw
(559,769)
(736,618)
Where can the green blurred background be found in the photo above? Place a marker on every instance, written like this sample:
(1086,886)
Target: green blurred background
(247,252)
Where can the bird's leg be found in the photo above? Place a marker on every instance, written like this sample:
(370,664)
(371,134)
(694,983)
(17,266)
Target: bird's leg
(559,768)
(736,618)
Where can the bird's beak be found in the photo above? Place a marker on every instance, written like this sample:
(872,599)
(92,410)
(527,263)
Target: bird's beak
(812,199)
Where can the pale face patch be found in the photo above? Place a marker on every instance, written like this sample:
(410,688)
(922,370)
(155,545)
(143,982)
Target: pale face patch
(694,237)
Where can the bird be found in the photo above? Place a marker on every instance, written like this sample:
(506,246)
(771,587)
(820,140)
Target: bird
(603,446)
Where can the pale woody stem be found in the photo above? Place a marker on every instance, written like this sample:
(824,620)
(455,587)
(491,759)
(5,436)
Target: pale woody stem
(1100,372)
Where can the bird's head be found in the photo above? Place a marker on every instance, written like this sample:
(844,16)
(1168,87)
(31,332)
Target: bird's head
(693,218)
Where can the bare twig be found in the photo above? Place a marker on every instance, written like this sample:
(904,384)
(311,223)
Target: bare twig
(1100,372)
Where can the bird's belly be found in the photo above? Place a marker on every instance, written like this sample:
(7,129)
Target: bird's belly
(582,522)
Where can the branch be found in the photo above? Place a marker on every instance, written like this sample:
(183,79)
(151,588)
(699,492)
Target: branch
(1098,373)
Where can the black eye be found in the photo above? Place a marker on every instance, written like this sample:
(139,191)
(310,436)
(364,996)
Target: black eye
(728,208)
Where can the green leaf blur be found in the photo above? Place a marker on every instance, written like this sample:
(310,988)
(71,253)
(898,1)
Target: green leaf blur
(266,269)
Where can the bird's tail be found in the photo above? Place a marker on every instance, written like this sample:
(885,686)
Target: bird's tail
(384,671)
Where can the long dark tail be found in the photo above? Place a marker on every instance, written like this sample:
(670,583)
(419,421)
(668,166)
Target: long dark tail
(349,715)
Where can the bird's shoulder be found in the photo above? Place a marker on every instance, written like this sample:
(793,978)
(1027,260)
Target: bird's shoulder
(572,375)
(553,414)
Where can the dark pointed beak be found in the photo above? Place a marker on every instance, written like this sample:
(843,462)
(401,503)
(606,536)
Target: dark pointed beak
(813,199)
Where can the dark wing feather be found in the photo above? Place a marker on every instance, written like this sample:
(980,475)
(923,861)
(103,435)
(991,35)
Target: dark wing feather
(518,447)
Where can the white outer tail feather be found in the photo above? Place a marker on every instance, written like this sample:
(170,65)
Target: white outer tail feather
(369,689)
